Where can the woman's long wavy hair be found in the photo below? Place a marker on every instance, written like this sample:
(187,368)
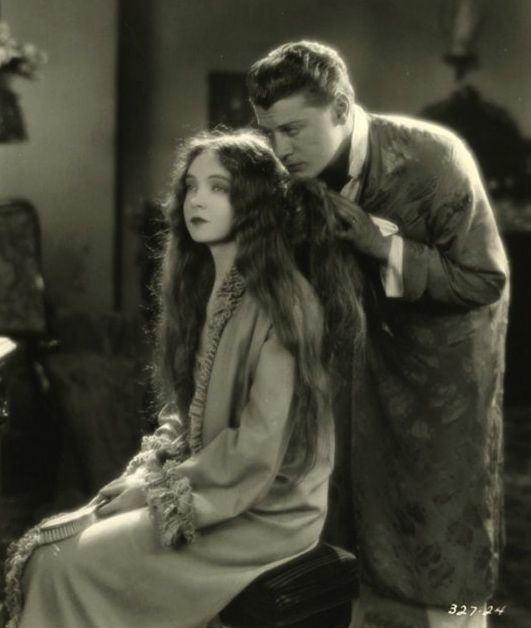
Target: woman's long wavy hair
(333,269)
(262,203)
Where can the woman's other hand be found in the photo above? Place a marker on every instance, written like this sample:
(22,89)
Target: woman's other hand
(121,495)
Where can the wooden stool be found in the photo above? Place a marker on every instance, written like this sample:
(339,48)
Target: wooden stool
(314,590)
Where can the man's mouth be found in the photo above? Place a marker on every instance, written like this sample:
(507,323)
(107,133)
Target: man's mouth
(295,167)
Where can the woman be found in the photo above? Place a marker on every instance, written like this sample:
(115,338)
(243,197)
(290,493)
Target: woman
(241,460)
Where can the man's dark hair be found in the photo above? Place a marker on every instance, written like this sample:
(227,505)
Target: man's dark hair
(295,67)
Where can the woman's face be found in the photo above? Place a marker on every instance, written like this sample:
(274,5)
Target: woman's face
(208,211)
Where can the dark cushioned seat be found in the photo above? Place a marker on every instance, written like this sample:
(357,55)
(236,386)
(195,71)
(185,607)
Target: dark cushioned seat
(314,590)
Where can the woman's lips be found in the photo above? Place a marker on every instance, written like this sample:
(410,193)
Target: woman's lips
(197,220)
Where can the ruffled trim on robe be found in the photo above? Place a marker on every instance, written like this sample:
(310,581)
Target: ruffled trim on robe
(155,447)
(168,493)
(227,300)
(170,503)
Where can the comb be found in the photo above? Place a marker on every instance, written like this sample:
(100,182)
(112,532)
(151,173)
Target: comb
(63,526)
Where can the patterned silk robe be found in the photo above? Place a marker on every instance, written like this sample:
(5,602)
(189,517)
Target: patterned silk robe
(427,411)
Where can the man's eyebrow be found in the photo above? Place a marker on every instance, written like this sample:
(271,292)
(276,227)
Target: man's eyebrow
(283,126)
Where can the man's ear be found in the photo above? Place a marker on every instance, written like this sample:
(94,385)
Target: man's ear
(341,108)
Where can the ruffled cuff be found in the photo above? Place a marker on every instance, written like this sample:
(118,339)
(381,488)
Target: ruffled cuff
(155,448)
(170,502)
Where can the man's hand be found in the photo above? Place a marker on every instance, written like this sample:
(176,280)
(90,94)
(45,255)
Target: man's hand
(122,495)
(356,226)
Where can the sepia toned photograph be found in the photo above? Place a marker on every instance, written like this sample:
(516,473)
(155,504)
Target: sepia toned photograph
(265,303)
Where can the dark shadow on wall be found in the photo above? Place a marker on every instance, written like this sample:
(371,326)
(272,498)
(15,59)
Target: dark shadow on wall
(135,63)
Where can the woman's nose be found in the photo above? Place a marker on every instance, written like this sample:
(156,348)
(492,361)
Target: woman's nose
(196,198)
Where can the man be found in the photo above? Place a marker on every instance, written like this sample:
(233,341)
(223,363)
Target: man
(426,448)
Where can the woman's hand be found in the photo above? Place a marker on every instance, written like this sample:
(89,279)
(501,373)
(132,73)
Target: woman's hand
(121,495)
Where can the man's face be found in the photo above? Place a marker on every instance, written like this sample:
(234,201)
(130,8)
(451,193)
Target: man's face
(305,137)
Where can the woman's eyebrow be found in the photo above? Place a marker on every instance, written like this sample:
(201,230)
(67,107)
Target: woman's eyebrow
(219,176)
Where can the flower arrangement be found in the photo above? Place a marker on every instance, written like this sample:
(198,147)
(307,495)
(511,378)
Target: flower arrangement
(17,58)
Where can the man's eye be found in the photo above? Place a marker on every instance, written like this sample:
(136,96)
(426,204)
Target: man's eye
(292,131)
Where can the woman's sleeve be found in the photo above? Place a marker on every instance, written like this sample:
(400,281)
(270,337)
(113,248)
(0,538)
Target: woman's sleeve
(235,469)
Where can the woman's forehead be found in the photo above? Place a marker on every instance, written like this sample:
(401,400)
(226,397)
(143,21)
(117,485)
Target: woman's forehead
(207,163)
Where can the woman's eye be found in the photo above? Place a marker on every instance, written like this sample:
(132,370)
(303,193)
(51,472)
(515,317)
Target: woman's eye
(220,188)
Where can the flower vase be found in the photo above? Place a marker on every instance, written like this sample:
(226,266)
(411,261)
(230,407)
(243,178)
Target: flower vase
(12,128)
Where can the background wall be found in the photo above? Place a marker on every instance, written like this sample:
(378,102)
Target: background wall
(66,169)
(393,47)
(166,48)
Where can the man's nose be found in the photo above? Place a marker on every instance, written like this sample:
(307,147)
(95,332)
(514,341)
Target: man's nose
(283,146)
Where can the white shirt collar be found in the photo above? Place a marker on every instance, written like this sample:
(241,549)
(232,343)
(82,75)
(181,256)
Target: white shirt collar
(359,144)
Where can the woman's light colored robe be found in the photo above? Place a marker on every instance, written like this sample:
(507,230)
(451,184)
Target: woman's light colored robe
(232,497)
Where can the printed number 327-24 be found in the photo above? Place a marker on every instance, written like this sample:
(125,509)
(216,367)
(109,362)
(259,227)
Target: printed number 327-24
(472,610)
